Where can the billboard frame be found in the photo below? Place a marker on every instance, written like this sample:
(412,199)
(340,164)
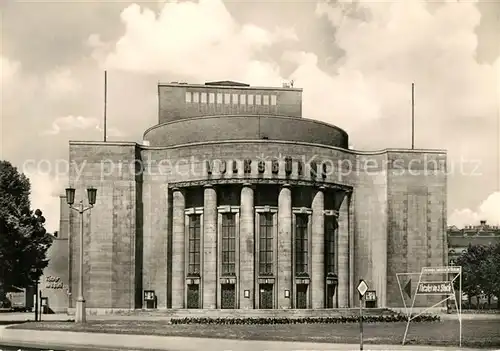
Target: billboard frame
(457,272)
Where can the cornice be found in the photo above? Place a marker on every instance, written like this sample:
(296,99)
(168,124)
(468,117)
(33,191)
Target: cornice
(256,181)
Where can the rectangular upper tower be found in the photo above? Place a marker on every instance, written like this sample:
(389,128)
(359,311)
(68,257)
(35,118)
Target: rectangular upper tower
(182,100)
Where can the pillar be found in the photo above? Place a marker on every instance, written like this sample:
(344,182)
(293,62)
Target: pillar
(318,251)
(353,283)
(284,251)
(178,248)
(209,248)
(343,255)
(247,245)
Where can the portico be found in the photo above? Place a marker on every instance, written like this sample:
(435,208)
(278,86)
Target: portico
(258,245)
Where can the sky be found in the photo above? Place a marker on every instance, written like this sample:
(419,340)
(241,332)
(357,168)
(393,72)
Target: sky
(355,60)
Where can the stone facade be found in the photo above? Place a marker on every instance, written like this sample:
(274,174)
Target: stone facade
(253,223)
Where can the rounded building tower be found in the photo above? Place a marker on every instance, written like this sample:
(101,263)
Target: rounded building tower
(234,201)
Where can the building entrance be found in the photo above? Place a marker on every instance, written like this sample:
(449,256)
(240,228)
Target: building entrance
(301,297)
(330,296)
(228,296)
(266,296)
(193,296)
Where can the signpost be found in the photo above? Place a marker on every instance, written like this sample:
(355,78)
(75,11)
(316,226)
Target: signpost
(362,289)
(426,287)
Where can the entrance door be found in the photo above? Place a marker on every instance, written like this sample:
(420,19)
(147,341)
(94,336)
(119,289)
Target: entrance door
(330,296)
(301,301)
(266,296)
(193,296)
(228,296)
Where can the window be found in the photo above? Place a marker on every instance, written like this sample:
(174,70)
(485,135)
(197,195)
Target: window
(203,98)
(330,244)
(266,99)
(211,98)
(227,98)
(196,97)
(243,99)
(228,244)
(188,96)
(258,99)
(194,244)
(301,243)
(273,100)
(219,98)
(266,243)
(250,99)
(235,99)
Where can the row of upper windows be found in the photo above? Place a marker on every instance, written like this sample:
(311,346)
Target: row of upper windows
(227,98)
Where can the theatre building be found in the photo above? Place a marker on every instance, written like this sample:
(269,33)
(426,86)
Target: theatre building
(234,200)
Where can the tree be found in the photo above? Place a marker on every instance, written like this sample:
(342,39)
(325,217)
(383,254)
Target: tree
(490,268)
(23,238)
(473,275)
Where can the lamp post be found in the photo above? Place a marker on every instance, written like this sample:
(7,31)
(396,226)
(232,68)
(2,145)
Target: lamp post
(70,199)
(35,281)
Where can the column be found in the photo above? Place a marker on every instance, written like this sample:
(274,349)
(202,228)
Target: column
(318,250)
(353,295)
(178,248)
(247,245)
(343,255)
(209,248)
(284,252)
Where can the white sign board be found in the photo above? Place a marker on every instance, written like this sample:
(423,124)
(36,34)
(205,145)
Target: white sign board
(362,287)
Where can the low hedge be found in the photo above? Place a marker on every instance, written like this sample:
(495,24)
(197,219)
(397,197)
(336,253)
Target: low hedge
(306,320)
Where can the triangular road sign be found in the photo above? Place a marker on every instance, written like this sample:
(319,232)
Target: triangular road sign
(407,288)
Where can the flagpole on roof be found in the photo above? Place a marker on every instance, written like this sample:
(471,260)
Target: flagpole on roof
(105,100)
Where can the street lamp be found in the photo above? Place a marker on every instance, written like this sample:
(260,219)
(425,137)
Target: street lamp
(35,280)
(70,199)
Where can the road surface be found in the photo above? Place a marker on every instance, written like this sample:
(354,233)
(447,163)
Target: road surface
(27,347)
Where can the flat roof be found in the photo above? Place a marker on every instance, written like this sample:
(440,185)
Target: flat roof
(225,85)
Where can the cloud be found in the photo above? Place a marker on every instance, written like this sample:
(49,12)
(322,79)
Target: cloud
(389,45)
(200,40)
(45,191)
(489,210)
(61,83)
(69,123)
(8,69)
(386,45)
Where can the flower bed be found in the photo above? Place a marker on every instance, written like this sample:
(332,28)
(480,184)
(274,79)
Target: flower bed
(308,320)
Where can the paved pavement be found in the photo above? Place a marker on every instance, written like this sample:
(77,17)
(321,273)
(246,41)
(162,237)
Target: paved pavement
(61,340)
(72,340)
(23,317)
(36,347)
(472,316)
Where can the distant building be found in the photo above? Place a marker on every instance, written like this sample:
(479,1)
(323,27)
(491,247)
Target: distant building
(460,239)
(53,283)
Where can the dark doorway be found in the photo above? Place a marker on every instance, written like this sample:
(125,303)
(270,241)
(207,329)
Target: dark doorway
(228,296)
(266,296)
(330,296)
(193,296)
(301,301)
